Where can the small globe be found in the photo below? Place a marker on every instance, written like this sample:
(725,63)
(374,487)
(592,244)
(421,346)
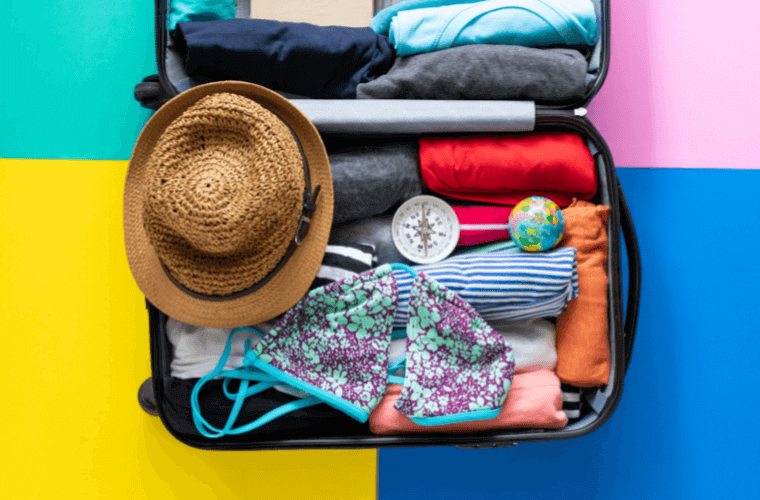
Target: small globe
(536,224)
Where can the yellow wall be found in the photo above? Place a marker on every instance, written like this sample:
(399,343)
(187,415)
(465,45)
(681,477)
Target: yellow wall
(74,349)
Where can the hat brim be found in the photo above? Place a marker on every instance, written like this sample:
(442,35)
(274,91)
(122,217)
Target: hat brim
(290,284)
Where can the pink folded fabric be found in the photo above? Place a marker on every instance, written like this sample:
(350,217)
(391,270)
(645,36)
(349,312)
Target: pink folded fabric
(533,401)
(482,224)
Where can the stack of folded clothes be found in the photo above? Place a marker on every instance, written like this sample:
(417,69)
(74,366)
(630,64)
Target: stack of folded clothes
(534,398)
(415,49)
(549,309)
(466,49)
(494,173)
(540,395)
(552,363)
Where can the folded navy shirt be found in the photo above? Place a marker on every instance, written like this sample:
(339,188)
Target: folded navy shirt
(324,62)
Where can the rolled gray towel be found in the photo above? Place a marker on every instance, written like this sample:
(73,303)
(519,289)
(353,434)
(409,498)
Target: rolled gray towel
(369,180)
(502,72)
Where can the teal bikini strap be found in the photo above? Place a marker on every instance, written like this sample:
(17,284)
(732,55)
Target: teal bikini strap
(399,334)
(266,380)
(245,374)
(274,414)
(248,373)
(397,266)
(399,364)
(254,389)
(250,329)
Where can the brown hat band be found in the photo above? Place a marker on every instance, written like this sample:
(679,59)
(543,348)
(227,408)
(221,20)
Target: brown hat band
(308,208)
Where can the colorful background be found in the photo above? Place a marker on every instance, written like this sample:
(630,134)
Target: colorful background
(679,110)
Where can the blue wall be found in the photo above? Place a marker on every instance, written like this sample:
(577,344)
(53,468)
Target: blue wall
(685,425)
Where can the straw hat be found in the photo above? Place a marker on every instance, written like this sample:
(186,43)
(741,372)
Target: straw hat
(228,205)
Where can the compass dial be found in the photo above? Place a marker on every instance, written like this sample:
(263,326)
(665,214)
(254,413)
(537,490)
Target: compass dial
(425,229)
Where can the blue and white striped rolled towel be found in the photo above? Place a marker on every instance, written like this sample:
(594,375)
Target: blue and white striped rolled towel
(502,284)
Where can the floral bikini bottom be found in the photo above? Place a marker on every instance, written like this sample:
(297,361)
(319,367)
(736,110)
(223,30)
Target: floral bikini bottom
(334,346)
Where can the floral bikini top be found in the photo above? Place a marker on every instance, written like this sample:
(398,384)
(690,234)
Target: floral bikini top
(334,346)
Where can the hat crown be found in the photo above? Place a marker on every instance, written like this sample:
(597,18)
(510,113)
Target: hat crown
(208,204)
(227,183)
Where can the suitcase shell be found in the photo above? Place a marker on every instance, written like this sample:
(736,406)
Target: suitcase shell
(409,119)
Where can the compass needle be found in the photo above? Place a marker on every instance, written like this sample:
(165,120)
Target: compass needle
(425,229)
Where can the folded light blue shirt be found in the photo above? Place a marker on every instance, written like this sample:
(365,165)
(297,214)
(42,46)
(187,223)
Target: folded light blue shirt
(381,23)
(181,11)
(529,23)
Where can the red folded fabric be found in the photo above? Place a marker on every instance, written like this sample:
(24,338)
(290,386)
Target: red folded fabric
(534,401)
(482,224)
(507,169)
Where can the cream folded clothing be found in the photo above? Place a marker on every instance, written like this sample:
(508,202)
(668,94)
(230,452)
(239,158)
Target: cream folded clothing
(197,349)
(533,342)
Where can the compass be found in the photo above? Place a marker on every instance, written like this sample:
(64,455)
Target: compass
(425,229)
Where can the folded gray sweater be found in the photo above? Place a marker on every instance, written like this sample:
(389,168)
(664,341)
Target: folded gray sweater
(503,72)
(369,180)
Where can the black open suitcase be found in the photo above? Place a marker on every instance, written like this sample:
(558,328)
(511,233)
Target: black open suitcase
(337,119)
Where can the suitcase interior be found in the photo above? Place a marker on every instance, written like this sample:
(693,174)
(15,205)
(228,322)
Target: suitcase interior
(174,78)
(599,403)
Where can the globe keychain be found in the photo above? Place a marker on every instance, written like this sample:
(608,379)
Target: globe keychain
(536,224)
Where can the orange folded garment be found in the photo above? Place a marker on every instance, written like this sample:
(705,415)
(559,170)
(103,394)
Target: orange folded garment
(533,401)
(583,350)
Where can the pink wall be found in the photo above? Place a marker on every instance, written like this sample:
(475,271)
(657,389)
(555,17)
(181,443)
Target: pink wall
(682,88)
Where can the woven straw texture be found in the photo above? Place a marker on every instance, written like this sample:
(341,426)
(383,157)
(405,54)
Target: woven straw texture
(225,189)
(214,191)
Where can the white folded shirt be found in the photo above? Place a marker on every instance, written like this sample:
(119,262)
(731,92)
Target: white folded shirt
(533,342)
(197,349)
